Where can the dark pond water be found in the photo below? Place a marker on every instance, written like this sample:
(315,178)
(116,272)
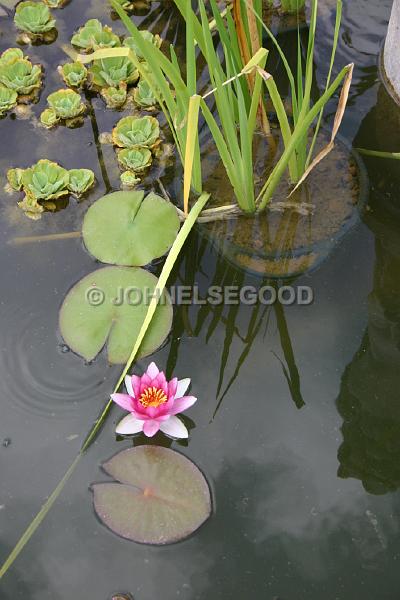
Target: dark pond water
(305,477)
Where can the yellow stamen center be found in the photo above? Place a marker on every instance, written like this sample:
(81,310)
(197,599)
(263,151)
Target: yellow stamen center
(152,396)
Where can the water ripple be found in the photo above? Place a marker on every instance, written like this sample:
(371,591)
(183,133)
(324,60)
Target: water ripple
(38,374)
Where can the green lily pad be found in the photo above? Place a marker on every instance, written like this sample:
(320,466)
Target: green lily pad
(92,314)
(126,228)
(162,496)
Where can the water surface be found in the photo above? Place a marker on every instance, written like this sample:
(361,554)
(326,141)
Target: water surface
(306,499)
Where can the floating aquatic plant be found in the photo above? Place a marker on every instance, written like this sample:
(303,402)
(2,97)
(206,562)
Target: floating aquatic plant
(64,105)
(14,178)
(17,73)
(116,228)
(42,182)
(11,55)
(151,38)
(74,74)
(55,3)
(153,403)
(34,19)
(138,137)
(111,72)
(49,118)
(131,132)
(135,159)
(129,179)
(159,496)
(115,97)
(93,35)
(93,314)
(80,181)
(172,89)
(144,96)
(8,99)
(47,181)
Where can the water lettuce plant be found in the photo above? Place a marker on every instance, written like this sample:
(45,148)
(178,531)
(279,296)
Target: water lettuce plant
(144,96)
(170,87)
(150,37)
(129,179)
(74,74)
(55,3)
(64,105)
(8,100)
(111,72)
(136,138)
(115,97)
(17,73)
(10,55)
(131,132)
(93,35)
(47,181)
(80,181)
(136,159)
(14,178)
(34,19)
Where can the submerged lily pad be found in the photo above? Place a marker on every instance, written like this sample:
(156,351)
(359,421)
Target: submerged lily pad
(125,228)
(108,307)
(162,496)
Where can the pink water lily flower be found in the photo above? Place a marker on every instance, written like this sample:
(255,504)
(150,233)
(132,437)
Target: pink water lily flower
(153,403)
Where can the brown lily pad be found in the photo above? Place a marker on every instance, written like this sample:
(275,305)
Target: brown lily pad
(161,496)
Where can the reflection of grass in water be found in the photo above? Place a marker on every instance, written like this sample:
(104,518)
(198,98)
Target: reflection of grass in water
(96,136)
(209,317)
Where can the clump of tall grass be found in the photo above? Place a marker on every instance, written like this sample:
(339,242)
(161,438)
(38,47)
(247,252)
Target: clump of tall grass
(233,107)
(232,124)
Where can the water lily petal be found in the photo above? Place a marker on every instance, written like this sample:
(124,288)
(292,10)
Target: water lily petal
(150,428)
(136,385)
(183,385)
(152,370)
(175,428)
(161,382)
(129,425)
(145,382)
(123,400)
(129,386)
(172,387)
(140,410)
(153,411)
(182,404)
